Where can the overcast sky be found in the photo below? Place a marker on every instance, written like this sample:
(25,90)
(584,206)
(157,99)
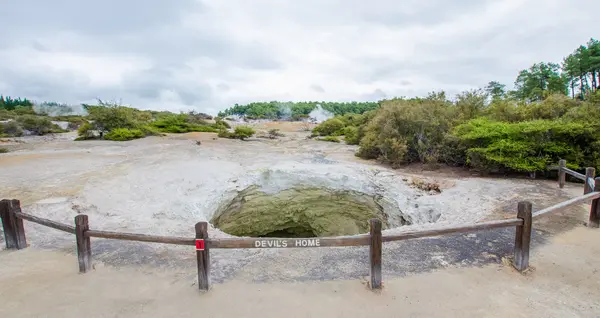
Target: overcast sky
(207,55)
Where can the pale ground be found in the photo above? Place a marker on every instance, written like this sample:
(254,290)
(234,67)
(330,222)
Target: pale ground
(564,283)
(164,185)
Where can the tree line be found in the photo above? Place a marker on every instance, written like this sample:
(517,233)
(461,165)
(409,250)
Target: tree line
(578,75)
(294,110)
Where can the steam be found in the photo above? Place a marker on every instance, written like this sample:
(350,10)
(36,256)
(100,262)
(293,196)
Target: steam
(285,111)
(319,114)
(56,109)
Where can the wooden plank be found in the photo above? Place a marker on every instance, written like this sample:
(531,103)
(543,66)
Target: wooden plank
(562,176)
(564,204)
(594,220)
(590,173)
(375,253)
(7,225)
(141,237)
(14,231)
(84,248)
(574,174)
(49,223)
(203,257)
(523,237)
(452,229)
(354,240)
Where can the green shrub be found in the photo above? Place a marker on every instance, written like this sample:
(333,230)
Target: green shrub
(3,150)
(351,134)
(240,132)
(328,127)
(107,117)
(85,132)
(37,125)
(11,129)
(330,139)
(123,134)
(404,131)
(525,146)
(220,123)
(224,133)
(149,130)
(182,123)
(243,132)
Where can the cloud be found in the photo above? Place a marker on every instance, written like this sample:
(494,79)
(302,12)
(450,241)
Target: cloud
(202,55)
(317,88)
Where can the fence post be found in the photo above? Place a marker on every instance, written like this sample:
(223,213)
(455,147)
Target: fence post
(595,210)
(14,232)
(202,255)
(375,253)
(589,179)
(523,236)
(561,173)
(84,249)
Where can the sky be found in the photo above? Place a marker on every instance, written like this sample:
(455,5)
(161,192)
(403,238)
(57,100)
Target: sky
(183,55)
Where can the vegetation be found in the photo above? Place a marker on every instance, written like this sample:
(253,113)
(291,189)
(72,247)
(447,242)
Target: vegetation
(553,112)
(295,111)
(240,132)
(3,150)
(123,134)
(490,129)
(182,123)
(274,133)
(329,138)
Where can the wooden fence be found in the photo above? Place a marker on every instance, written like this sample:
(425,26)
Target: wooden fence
(12,221)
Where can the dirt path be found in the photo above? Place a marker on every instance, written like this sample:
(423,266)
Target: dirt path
(564,283)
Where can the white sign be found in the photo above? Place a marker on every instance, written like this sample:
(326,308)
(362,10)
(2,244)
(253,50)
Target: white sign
(279,243)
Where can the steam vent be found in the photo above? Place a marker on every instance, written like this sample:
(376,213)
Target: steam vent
(299,212)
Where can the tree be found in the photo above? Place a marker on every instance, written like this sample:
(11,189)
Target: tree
(495,90)
(540,80)
(470,103)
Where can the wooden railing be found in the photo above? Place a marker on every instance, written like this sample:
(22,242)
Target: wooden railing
(12,221)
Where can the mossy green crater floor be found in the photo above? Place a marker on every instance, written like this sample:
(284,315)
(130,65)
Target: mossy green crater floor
(299,212)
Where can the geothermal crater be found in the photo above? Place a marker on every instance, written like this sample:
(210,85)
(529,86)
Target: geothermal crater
(299,212)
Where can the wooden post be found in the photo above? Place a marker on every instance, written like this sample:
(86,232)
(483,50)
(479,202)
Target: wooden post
(589,174)
(595,210)
(84,248)
(561,173)
(523,236)
(203,256)
(14,232)
(375,253)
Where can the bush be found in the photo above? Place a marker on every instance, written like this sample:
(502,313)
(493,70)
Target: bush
(181,123)
(123,134)
(3,150)
(526,146)
(351,134)
(10,129)
(85,131)
(224,133)
(107,117)
(220,123)
(240,132)
(330,139)
(243,132)
(328,127)
(37,125)
(274,133)
(404,131)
